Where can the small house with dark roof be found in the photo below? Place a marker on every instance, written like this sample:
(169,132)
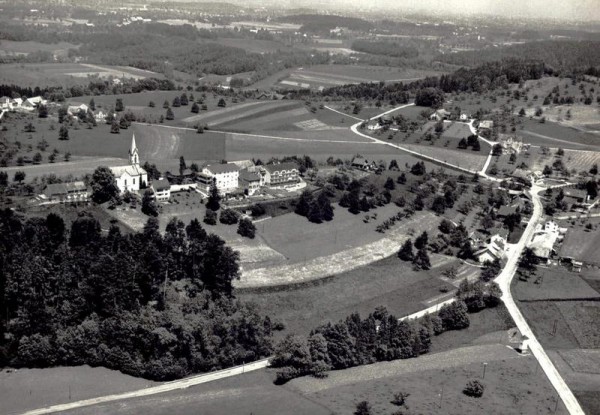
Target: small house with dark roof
(250,182)
(162,190)
(576,196)
(363,164)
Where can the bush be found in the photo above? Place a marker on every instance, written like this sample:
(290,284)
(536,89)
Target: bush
(246,228)
(257,210)
(228,217)
(474,389)
(210,218)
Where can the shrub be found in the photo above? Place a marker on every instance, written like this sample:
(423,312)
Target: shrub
(228,217)
(210,218)
(474,389)
(246,228)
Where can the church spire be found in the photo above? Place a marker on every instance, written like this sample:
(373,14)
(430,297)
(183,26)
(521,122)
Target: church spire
(134,158)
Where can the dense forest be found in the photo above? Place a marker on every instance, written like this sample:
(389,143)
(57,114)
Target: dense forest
(385,48)
(480,79)
(560,57)
(318,23)
(151,305)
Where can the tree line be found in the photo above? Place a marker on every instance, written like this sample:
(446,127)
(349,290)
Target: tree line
(148,304)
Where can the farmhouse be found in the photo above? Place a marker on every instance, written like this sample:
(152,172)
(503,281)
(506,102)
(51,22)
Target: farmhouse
(5,103)
(577,197)
(363,164)
(74,109)
(67,192)
(493,250)
(131,177)
(544,239)
(162,190)
(225,176)
(510,144)
(486,125)
(282,175)
(32,103)
(440,115)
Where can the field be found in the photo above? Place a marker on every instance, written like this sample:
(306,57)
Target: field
(551,284)
(388,282)
(11,47)
(325,76)
(55,74)
(43,387)
(582,245)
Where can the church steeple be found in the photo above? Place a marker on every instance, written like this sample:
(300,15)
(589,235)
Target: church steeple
(134,158)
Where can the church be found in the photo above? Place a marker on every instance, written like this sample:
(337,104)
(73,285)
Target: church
(131,177)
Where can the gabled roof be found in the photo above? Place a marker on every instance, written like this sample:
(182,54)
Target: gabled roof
(222,168)
(506,210)
(576,193)
(249,176)
(119,171)
(271,168)
(160,185)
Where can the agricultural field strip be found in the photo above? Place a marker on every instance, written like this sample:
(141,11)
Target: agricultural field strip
(216,113)
(553,139)
(343,113)
(165,387)
(251,113)
(333,264)
(436,361)
(263,136)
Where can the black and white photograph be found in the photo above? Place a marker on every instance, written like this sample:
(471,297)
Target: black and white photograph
(311,207)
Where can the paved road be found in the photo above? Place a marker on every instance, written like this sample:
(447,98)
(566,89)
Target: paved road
(165,387)
(504,281)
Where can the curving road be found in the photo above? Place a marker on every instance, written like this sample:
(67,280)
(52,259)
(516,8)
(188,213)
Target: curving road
(504,281)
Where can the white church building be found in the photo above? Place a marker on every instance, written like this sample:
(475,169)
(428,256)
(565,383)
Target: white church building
(131,177)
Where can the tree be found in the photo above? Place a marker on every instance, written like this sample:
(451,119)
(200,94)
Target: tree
(547,170)
(429,97)
(123,123)
(363,408)
(3,179)
(421,241)
(114,127)
(19,176)
(446,226)
(92,104)
(389,184)
(421,260)
(63,133)
(176,102)
(401,179)
(529,259)
(37,158)
(497,150)
(418,169)
(213,198)
(170,116)
(594,169)
(454,316)
(182,165)
(246,228)
(221,103)
(42,111)
(406,251)
(210,217)
(324,205)
(104,186)
(304,203)
(119,107)
(462,144)
(228,217)
(166,104)
(200,129)
(522,112)
(151,104)
(195,108)
(184,99)
(149,206)
(400,398)
(62,113)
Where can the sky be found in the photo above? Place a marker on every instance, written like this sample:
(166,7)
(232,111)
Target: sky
(562,9)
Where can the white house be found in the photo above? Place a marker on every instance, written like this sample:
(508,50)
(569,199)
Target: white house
(31,104)
(16,103)
(225,176)
(281,175)
(440,115)
(74,109)
(493,250)
(131,177)
(463,117)
(162,190)
(5,103)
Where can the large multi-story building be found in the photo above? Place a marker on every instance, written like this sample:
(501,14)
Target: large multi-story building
(281,175)
(225,176)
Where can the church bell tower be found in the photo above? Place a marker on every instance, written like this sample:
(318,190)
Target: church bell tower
(134,158)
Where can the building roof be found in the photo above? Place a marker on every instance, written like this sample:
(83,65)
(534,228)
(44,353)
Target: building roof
(499,231)
(361,161)
(160,185)
(119,171)
(575,193)
(271,168)
(542,243)
(64,188)
(222,168)
(506,210)
(486,124)
(243,164)
(249,176)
